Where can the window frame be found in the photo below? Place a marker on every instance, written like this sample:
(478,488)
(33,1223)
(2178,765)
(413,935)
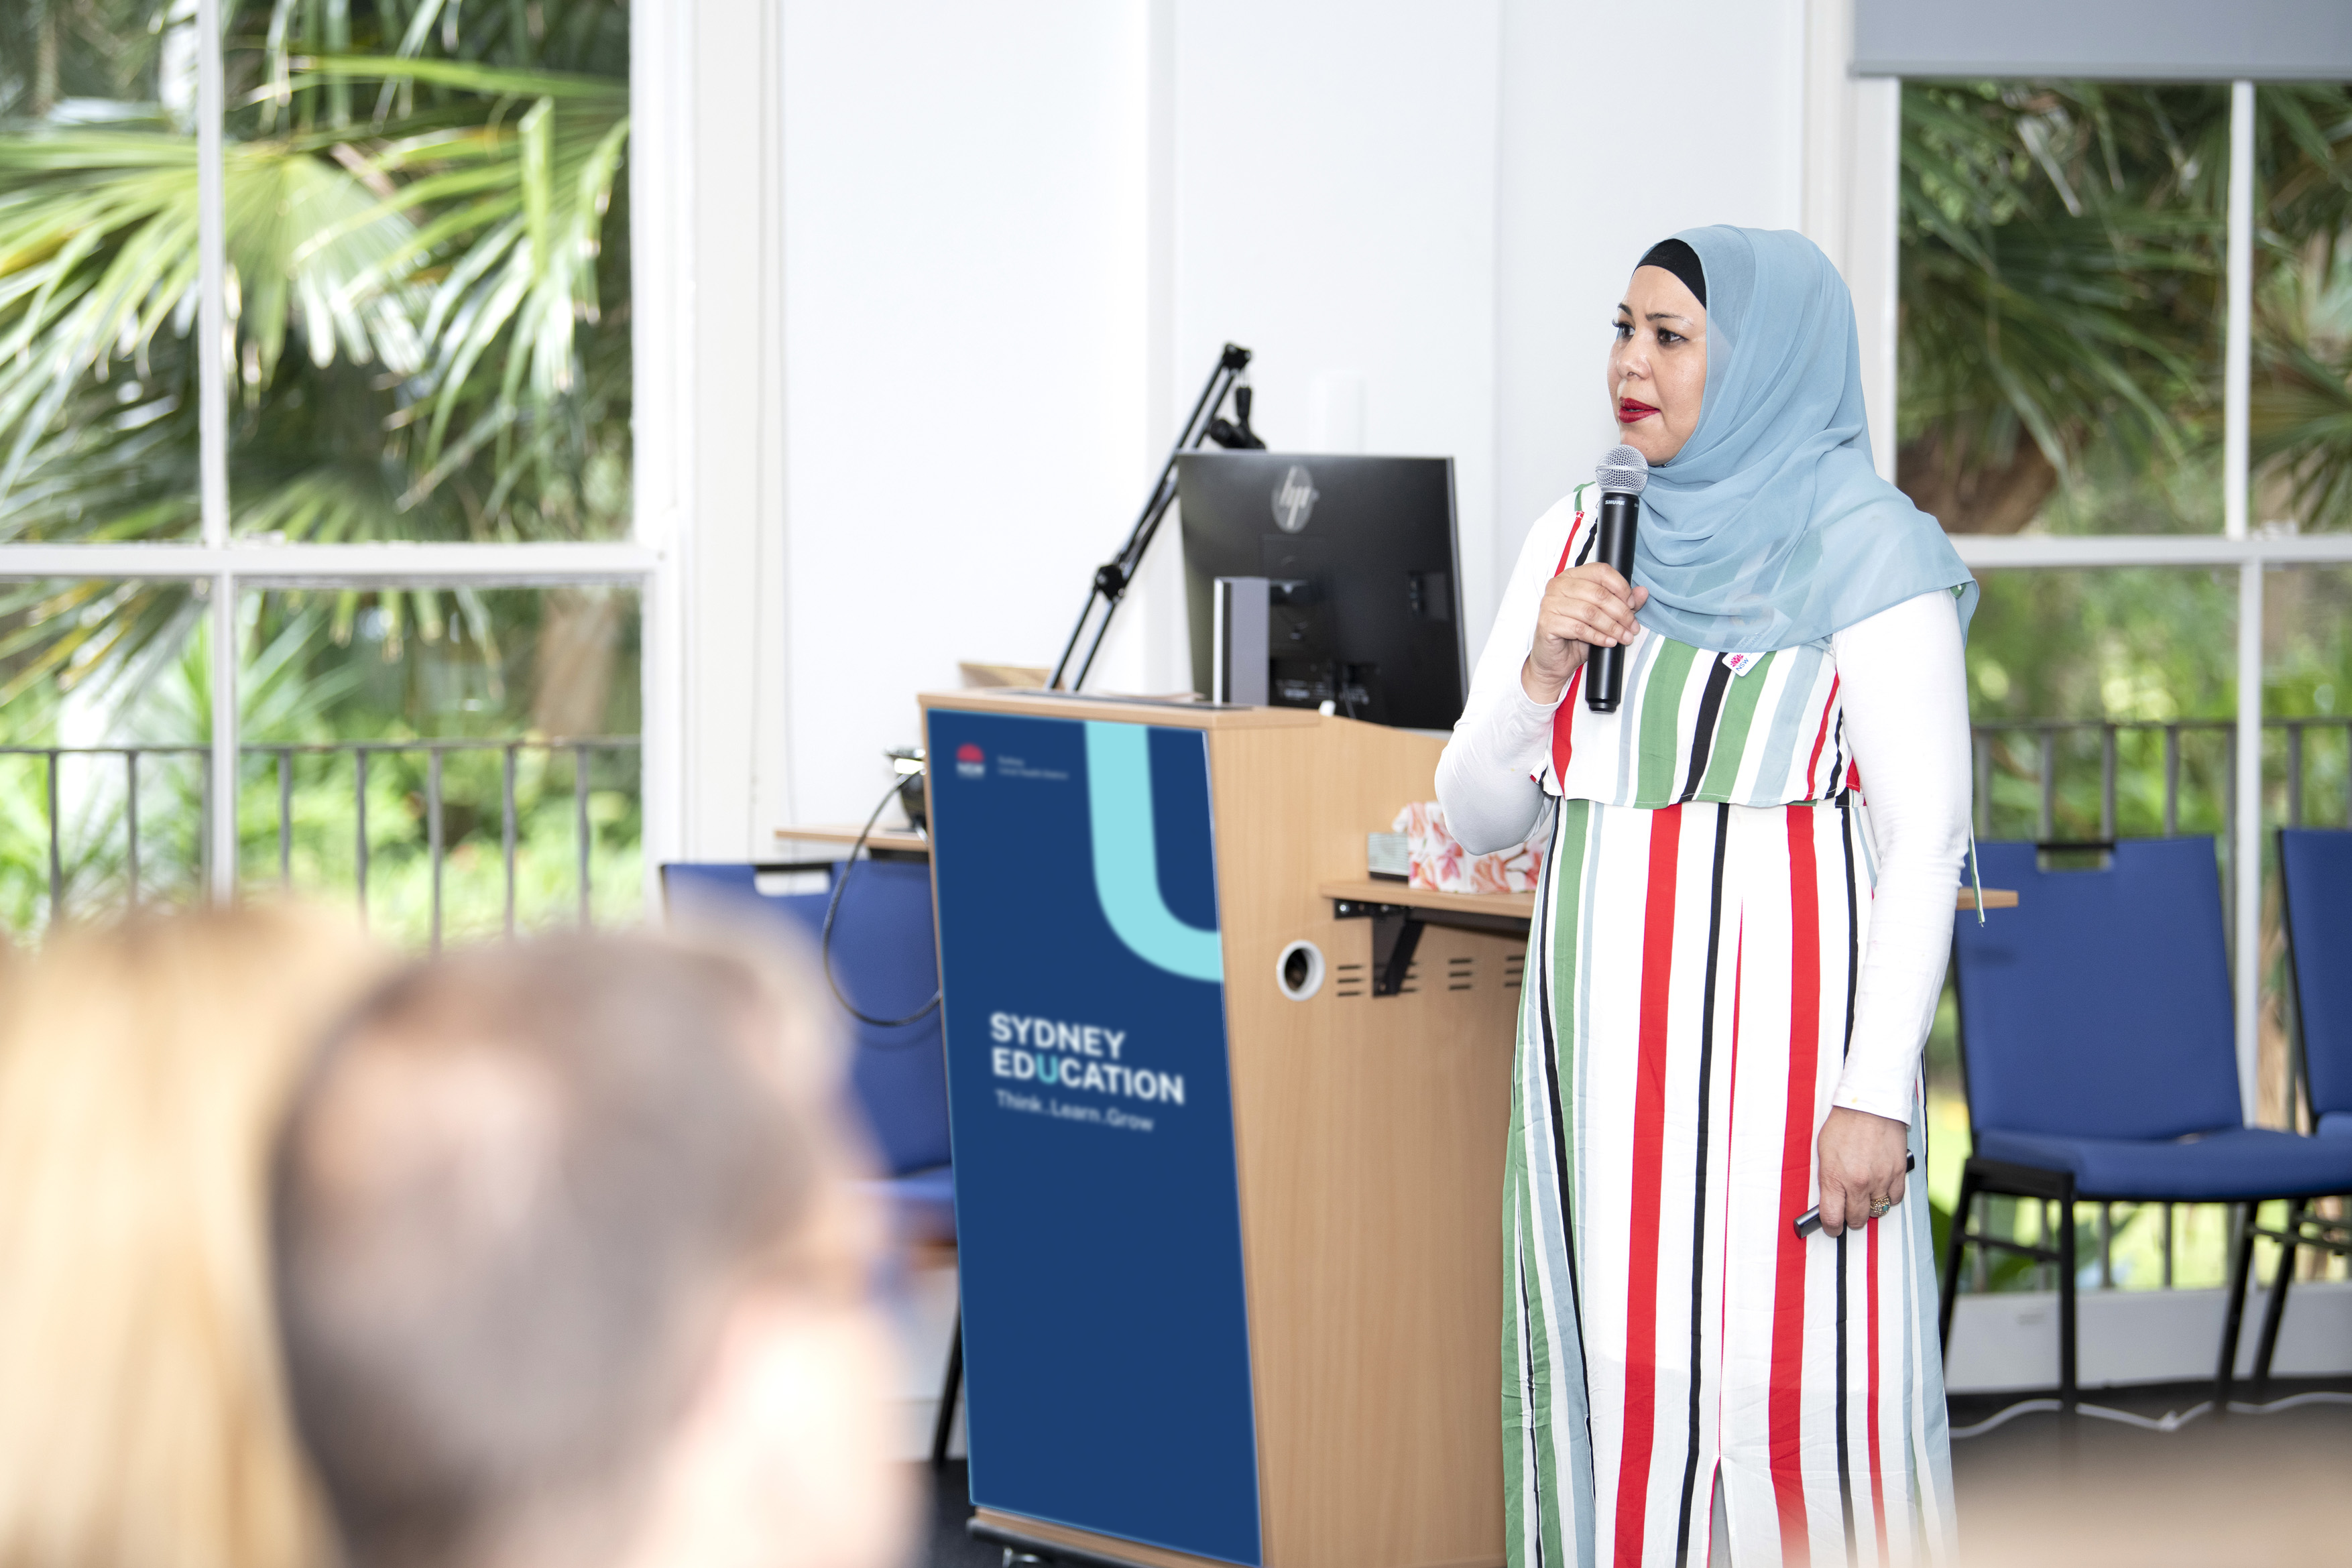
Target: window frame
(228,566)
(2237,545)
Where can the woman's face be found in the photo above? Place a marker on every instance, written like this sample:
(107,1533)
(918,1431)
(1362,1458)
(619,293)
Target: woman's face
(1657,370)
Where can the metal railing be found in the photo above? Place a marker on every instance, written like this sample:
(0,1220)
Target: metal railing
(2145,765)
(2046,732)
(281,759)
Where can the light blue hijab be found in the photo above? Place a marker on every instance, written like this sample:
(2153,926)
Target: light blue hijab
(1771,529)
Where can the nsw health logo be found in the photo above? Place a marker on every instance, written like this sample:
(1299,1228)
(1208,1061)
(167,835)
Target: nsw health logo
(971,762)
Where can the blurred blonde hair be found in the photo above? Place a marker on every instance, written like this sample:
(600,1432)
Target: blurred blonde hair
(143,1069)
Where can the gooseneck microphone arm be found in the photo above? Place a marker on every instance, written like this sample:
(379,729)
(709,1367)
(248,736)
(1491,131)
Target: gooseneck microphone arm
(1115,576)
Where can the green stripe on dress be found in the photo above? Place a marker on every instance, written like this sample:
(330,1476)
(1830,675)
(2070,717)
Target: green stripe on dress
(1543,1344)
(1731,731)
(1571,849)
(1659,725)
(1515,1368)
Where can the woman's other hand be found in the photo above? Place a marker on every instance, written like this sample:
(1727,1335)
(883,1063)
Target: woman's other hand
(1859,1158)
(1584,608)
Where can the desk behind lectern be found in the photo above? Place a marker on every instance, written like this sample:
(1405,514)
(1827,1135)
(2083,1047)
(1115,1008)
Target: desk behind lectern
(1231,1261)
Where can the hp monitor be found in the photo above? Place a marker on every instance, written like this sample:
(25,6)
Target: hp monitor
(1345,571)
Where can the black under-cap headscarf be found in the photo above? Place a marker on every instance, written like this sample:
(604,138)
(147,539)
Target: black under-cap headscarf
(1677,257)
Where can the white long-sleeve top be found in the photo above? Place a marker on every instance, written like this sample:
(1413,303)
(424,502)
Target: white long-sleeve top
(1900,681)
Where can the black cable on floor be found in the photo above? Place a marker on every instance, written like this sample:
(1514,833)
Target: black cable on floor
(824,943)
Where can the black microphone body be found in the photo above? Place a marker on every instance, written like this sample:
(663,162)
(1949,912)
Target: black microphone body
(1604,684)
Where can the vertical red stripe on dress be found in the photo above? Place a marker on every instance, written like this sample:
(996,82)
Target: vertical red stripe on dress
(1649,1154)
(1877,1481)
(1785,1403)
(1570,547)
(1563,720)
(1828,707)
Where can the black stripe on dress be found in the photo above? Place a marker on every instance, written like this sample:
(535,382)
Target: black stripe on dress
(1845,1468)
(1711,709)
(1852,937)
(1698,1204)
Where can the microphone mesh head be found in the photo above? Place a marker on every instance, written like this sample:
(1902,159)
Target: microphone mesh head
(1623,468)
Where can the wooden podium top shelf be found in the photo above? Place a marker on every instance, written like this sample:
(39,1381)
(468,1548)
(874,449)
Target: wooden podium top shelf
(1169,711)
(903,840)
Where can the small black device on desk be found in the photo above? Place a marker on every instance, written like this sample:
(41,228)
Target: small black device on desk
(1811,1220)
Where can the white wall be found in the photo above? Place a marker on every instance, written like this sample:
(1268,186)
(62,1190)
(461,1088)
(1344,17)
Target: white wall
(964,277)
(1016,235)
(1335,212)
(2006,1341)
(1620,126)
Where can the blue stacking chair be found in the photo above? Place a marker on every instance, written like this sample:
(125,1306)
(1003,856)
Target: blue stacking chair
(885,959)
(2098,1047)
(2316,874)
(2315,869)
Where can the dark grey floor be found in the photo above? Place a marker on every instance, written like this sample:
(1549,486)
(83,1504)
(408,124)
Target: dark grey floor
(2236,1492)
(948,1546)
(2267,1486)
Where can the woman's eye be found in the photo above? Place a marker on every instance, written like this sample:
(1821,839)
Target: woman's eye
(1666,337)
(1623,330)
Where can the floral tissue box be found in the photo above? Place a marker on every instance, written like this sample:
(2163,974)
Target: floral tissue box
(1440,865)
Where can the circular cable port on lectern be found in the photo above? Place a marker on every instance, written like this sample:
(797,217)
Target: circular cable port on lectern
(1299,970)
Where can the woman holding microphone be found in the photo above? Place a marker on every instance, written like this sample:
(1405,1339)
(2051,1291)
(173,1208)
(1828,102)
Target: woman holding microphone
(1737,948)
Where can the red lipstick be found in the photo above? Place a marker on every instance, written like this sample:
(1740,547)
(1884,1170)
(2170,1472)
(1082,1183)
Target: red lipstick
(1631,411)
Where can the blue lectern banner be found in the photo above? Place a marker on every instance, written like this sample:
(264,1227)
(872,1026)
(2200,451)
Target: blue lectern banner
(1105,1339)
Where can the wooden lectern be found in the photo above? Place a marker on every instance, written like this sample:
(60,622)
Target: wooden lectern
(1229,1219)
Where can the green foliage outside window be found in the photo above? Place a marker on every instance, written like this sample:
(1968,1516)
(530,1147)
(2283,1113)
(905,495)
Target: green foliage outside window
(427,227)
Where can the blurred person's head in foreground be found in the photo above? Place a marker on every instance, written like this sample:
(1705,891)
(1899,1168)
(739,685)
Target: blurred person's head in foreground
(143,1069)
(569,1274)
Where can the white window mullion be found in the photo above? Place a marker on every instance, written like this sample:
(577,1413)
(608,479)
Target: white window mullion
(661,48)
(2238,355)
(418,565)
(213,349)
(225,734)
(214,357)
(2073,552)
(2246,835)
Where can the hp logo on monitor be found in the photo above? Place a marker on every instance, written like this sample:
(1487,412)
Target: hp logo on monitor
(1294,499)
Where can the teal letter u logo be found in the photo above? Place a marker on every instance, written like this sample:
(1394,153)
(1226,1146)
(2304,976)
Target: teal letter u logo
(1126,861)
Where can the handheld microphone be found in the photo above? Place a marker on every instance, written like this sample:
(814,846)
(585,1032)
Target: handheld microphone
(1622,473)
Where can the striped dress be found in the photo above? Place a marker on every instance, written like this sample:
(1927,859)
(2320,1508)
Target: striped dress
(1694,958)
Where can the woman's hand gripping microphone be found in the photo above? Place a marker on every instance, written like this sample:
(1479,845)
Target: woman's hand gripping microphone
(1583,608)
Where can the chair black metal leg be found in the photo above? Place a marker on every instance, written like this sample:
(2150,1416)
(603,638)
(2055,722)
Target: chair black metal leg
(949,1390)
(2066,1336)
(2241,1268)
(2275,1312)
(1955,1253)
